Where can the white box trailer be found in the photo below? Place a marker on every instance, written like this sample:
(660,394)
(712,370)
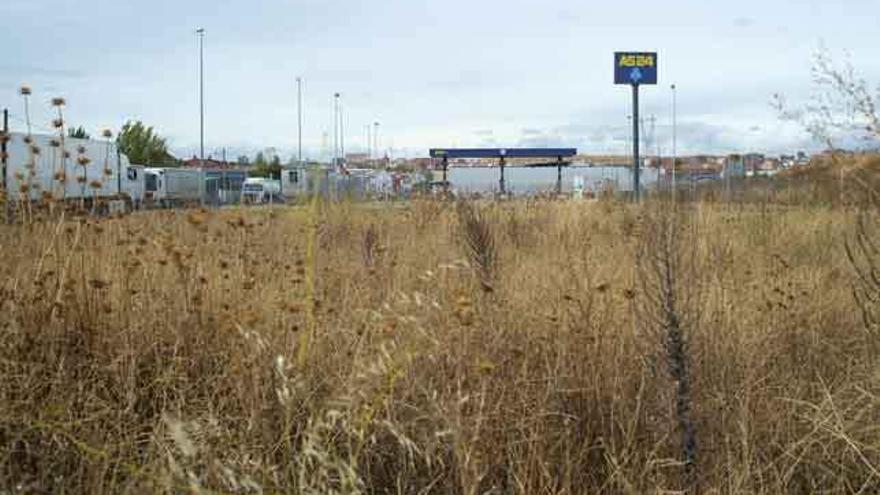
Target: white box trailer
(42,166)
(174,186)
(261,190)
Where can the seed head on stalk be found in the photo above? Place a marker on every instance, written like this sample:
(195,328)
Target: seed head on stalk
(25,92)
(63,154)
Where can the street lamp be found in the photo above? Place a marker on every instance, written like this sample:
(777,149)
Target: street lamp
(376,138)
(335,129)
(674,151)
(299,121)
(368,144)
(201,33)
(341,134)
(629,137)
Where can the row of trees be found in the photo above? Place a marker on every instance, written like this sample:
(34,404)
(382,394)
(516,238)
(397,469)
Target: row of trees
(262,166)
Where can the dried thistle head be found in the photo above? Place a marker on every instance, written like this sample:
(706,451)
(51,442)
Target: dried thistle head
(54,143)
(4,138)
(58,123)
(83,160)
(81,180)
(81,149)
(35,150)
(24,188)
(25,91)
(60,176)
(98,284)
(28,140)
(107,133)
(19,176)
(95,184)
(66,154)
(108,172)
(58,102)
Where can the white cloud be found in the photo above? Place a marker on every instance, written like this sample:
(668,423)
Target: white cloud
(431,72)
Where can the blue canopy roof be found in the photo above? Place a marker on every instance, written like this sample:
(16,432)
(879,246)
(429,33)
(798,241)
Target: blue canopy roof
(501,152)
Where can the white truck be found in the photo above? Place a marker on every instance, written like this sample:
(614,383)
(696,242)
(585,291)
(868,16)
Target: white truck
(40,167)
(261,190)
(174,186)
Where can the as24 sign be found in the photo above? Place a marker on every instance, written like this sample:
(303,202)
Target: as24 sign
(635,68)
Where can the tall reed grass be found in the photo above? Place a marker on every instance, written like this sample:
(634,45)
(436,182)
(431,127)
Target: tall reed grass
(514,347)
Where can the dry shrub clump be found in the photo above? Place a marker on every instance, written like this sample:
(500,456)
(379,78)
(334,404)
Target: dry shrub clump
(518,347)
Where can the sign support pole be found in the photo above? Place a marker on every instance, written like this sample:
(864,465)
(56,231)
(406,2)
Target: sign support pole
(636,190)
(635,69)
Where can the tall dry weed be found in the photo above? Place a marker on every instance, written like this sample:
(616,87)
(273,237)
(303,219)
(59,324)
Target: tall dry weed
(479,243)
(252,351)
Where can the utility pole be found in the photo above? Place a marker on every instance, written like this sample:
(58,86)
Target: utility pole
(201,33)
(299,121)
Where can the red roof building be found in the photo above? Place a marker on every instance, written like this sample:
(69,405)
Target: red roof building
(210,163)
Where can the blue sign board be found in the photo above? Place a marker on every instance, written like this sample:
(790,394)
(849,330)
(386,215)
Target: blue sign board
(635,68)
(502,152)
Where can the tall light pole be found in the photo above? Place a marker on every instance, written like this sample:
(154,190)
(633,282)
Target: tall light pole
(299,121)
(376,138)
(629,137)
(201,33)
(674,151)
(341,134)
(335,129)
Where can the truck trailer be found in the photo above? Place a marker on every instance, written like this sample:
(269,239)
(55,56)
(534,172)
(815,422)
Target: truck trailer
(41,167)
(174,186)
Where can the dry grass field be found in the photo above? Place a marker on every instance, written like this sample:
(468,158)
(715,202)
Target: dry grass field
(528,347)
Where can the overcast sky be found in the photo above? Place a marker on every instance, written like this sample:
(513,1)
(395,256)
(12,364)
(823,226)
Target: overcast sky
(434,73)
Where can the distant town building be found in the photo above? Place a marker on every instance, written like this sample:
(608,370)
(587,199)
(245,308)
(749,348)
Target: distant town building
(734,166)
(210,163)
(357,159)
(752,162)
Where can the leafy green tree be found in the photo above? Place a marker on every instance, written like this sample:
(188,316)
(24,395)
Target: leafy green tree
(78,133)
(142,145)
(266,168)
